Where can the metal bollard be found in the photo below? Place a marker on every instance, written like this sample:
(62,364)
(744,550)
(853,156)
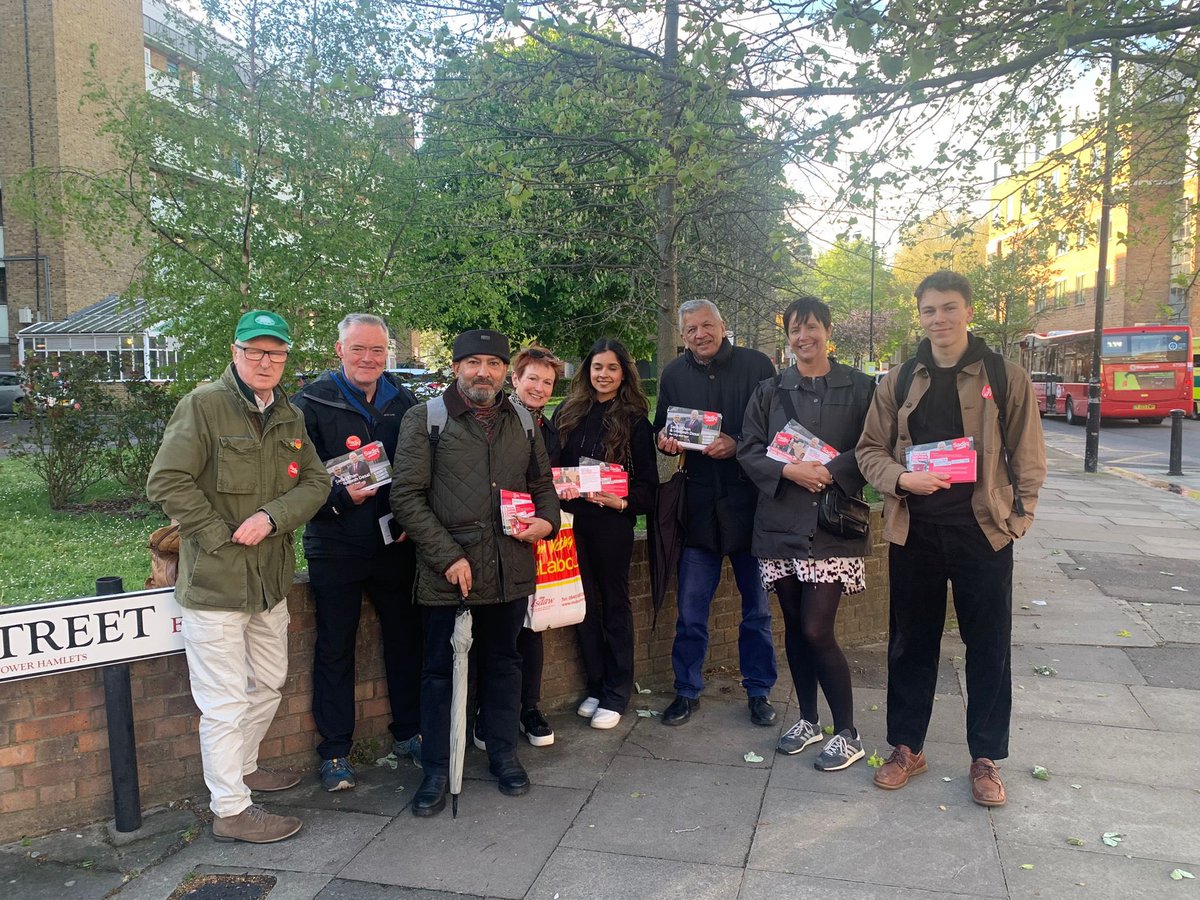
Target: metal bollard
(1176,464)
(122,746)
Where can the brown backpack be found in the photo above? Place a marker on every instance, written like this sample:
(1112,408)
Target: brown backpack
(164,556)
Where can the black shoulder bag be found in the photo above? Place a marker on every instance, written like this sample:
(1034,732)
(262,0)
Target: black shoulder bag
(837,512)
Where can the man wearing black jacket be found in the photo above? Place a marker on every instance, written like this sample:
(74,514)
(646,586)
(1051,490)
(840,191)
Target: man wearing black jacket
(354,545)
(715,376)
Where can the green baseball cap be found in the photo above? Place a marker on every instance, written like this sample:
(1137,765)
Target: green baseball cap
(262,323)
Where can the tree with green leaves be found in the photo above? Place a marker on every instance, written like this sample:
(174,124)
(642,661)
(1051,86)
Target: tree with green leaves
(263,176)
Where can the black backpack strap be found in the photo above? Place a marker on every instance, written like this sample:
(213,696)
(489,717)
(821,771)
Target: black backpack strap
(904,380)
(997,377)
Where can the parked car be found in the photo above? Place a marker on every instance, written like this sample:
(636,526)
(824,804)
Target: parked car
(11,393)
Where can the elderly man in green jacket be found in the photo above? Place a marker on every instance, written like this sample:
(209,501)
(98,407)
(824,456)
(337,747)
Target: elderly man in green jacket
(238,473)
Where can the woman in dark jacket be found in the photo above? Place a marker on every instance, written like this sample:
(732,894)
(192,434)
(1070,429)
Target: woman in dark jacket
(808,567)
(604,418)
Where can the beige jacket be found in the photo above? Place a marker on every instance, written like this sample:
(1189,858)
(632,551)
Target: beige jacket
(885,436)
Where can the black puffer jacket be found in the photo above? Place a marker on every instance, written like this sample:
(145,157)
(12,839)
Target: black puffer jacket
(720,499)
(450,506)
(340,528)
(785,525)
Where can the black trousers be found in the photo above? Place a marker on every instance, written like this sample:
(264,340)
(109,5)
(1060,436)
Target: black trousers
(982,582)
(533,658)
(338,585)
(494,640)
(605,547)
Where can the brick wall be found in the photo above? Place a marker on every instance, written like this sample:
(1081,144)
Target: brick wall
(53,739)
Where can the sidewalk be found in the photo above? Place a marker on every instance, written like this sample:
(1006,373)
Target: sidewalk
(646,811)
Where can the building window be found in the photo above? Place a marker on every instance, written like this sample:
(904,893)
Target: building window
(1039,303)
(1079,290)
(1062,245)
(172,68)
(1060,293)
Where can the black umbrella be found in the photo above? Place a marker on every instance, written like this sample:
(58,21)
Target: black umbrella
(665,531)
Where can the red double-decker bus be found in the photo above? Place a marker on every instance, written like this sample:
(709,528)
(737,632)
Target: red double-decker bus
(1145,372)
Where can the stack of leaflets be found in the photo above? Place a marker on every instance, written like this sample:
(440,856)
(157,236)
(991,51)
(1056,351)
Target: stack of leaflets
(795,443)
(513,504)
(695,429)
(613,477)
(953,459)
(367,465)
(592,477)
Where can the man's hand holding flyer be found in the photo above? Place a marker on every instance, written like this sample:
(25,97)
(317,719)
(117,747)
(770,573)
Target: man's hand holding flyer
(694,429)
(368,466)
(954,460)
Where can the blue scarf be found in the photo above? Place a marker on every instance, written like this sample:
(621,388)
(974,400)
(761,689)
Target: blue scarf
(385,393)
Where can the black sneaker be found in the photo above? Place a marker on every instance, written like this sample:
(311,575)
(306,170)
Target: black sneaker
(536,729)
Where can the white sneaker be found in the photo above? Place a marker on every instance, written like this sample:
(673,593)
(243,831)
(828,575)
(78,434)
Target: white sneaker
(605,718)
(588,707)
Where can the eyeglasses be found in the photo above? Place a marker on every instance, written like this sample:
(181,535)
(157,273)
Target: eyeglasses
(538,353)
(255,354)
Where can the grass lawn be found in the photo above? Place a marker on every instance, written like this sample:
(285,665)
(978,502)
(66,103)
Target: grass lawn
(49,555)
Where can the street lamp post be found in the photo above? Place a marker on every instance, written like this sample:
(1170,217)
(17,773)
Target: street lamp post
(1091,452)
(871,316)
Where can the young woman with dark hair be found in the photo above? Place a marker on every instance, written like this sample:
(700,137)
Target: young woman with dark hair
(604,418)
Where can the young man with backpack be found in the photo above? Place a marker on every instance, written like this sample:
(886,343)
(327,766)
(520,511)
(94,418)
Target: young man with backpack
(961,533)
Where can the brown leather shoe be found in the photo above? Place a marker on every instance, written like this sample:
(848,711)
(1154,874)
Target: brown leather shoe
(255,825)
(270,780)
(986,787)
(902,765)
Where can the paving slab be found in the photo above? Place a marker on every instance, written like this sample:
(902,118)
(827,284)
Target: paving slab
(53,880)
(1097,621)
(683,811)
(1138,579)
(1174,624)
(719,732)
(868,665)
(1078,663)
(1171,709)
(1101,752)
(580,754)
(1174,667)
(381,791)
(573,873)
(495,848)
(326,844)
(1054,697)
(950,849)
(1107,546)
(758,885)
(1158,823)
(339,889)
(1090,874)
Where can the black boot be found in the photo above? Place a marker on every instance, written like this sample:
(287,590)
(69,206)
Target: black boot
(514,781)
(430,798)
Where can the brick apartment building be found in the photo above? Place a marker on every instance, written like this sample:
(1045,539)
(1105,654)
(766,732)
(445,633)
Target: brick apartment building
(44,45)
(1152,232)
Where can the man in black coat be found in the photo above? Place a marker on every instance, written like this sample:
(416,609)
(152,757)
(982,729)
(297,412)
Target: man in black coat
(715,376)
(354,546)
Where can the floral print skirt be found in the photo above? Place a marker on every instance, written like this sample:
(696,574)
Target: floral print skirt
(849,570)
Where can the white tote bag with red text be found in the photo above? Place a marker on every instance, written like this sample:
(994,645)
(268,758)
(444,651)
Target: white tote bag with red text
(558,598)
